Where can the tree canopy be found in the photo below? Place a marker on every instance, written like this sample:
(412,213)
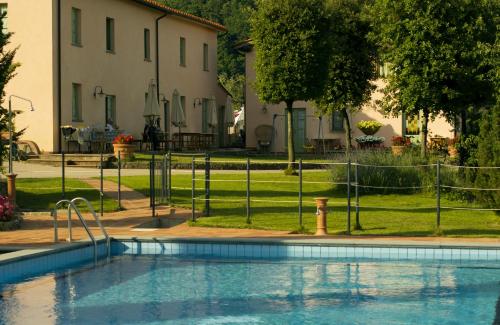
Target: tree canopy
(292,52)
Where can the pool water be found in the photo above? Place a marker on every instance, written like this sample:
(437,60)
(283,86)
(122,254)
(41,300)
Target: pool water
(169,290)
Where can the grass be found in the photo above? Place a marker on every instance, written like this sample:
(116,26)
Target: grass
(42,194)
(391,214)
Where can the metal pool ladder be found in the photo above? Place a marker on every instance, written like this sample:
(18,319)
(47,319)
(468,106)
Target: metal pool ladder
(72,206)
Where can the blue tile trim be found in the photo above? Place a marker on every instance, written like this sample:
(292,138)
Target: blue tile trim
(256,251)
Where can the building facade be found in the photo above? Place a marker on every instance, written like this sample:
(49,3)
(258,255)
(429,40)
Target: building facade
(309,128)
(86,63)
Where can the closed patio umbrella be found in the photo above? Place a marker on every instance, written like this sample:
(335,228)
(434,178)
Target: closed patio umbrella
(212,113)
(152,108)
(178,114)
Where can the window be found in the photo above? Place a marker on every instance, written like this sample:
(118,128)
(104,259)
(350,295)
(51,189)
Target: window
(182,51)
(384,69)
(3,13)
(147,44)
(411,125)
(183,103)
(205,115)
(110,35)
(166,114)
(337,121)
(205,57)
(76,26)
(76,104)
(111,110)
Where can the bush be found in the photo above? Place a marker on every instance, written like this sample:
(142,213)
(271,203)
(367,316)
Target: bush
(369,127)
(372,173)
(6,209)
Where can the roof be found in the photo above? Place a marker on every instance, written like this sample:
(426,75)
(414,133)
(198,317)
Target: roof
(244,46)
(169,10)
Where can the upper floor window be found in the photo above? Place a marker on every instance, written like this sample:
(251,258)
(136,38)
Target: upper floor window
(147,44)
(3,13)
(110,110)
(110,35)
(205,57)
(384,69)
(182,47)
(76,26)
(337,121)
(76,103)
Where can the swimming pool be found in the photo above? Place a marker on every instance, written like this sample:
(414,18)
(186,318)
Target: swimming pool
(244,283)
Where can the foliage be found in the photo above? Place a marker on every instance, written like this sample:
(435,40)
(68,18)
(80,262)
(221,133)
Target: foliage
(439,54)
(400,171)
(7,72)
(401,141)
(123,139)
(292,51)
(6,209)
(369,139)
(369,127)
(235,86)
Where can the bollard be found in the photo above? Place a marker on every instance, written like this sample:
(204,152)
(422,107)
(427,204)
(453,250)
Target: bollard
(63,176)
(119,182)
(11,188)
(321,216)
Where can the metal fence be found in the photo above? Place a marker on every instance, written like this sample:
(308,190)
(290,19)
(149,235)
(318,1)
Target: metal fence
(204,196)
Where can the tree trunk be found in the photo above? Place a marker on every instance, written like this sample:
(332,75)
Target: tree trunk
(291,142)
(348,131)
(424,133)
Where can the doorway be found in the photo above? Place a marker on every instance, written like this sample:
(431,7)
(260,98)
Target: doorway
(299,129)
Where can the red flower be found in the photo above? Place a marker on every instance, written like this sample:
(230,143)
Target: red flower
(6,209)
(123,139)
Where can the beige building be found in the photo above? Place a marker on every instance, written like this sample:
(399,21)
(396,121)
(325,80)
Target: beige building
(308,128)
(87,62)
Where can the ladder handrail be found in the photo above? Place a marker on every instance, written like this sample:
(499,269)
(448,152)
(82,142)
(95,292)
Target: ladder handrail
(71,205)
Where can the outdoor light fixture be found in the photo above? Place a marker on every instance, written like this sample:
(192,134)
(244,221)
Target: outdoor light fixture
(197,101)
(98,91)
(163,98)
(32,108)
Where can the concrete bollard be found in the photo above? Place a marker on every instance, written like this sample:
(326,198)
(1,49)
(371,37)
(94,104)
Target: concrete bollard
(321,216)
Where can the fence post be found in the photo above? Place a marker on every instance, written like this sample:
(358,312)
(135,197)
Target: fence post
(119,181)
(193,190)
(101,187)
(300,193)
(438,194)
(249,221)
(153,184)
(349,197)
(164,179)
(63,176)
(356,181)
(207,185)
(150,183)
(169,177)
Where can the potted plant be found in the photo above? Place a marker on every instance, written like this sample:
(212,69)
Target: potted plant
(398,145)
(369,141)
(452,149)
(123,144)
(8,218)
(369,127)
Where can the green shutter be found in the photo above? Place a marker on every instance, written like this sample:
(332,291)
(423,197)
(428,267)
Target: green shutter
(337,122)
(110,34)
(75,26)
(3,11)
(205,57)
(147,46)
(76,115)
(182,51)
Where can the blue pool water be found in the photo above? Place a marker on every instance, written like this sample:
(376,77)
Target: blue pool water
(171,290)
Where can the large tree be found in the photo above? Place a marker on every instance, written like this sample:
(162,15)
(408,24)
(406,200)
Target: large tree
(352,63)
(7,72)
(292,52)
(434,48)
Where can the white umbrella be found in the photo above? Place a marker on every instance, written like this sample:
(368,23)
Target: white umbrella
(240,119)
(152,108)
(228,112)
(178,114)
(212,113)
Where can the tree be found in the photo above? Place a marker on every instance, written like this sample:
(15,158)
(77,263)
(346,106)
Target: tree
(292,52)
(7,72)
(352,63)
(434,48)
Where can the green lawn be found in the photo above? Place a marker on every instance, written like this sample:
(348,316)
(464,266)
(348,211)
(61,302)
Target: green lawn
(42,194)
(379,214)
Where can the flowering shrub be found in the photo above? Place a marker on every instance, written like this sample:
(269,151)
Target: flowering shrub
(6,209)
(369,127)
(401,141)
(123,139)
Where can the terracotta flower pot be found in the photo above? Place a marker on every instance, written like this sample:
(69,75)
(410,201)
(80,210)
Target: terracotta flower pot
(126,150)
(397,150)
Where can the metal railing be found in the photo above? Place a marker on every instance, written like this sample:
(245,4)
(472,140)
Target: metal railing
(71,205)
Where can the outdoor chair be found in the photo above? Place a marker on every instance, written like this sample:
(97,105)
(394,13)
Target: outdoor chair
(264,136)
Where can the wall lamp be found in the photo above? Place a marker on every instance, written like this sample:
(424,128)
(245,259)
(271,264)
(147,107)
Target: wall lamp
(98,91)
(197,101)
(163,98)
(11,129)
